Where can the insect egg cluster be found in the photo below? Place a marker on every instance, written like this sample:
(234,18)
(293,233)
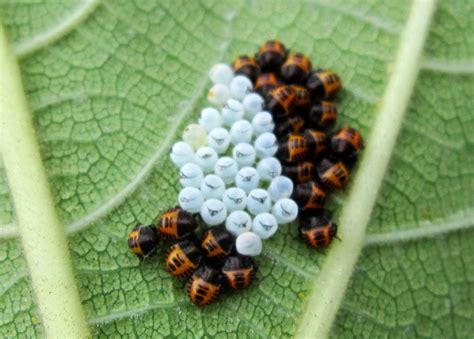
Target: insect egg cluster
(258,157)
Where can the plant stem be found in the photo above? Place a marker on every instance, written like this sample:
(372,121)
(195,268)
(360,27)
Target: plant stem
(327,290)
(42,235)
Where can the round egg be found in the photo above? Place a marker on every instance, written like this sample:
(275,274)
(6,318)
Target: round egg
(232,111)
(226,168)
(195,135)
(191,175)
(258,201)
(269,168)
(249,244)
(238,222)
(247,179)
(221,74)
(266,145)
(240,86)
(285,211)
(218,95)
(181,153)
(206,158)
(244,154)
(212,186)
(234,199)
(210,118)
(262,122)
(241,131)
(219,139)
(253,103)
(280,187)
(190,199)
(213,212)
(264,225)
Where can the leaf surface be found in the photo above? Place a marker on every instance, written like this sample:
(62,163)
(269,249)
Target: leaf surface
(113,90)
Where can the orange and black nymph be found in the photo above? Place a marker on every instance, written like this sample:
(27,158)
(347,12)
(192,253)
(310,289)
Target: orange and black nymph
(346,143)
(183,258)
(295,148)
(142,241)
(316,141)
(300,173)
(265,83)
(318,231)
(296,68)
(238,271)
(333,173)
(323,84)
(294,124)
(310,197)
(271,55)
(323,114)
(245,65)
(217,243)
(176,224)
(204,286)
(280,101)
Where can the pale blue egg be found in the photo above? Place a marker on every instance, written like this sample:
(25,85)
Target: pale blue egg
(241,131)
(244,154)
(262,122)
(206,158)
(221,74)
(280,187)
(247,179)
(234,199)
(232,111)
(219,139)
(253,104)
(258,201)
(218,95)
(195,135)
(226,168)
(213,212)
(191,175)
(285,211)
(248,243)
(238,222)
(269,168)
(210,118)
(212,186)
(240,86)
(264,225)
(190,199)
(181,153)
(266,145)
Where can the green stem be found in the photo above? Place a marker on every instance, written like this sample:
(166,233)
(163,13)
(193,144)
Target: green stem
(42,235)
(329,287)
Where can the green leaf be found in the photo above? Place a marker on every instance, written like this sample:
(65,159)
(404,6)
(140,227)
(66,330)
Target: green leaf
(112,84)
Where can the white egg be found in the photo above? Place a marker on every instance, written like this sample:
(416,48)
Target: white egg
(244,154)
(210,118)
(248,243)
(226,168)
(219,139)
(285,211)
(221,74)
(258,201)
(234,199)
(262,122)
(264,225)
(240,86)
(238,222)
(190,199)
(253,103)
(191,175)
(269,168)
(213,212)
(218,95)
(181,153)
(206,158)
(232,111)
(241,131)
(247,179)
(212,186)
(266,145)
(195,135)
(281,187)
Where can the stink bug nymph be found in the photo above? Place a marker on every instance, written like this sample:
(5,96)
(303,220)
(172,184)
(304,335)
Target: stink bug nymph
(296,68)
(247,66)
(142,241)
(204,286)
(309,196)
(217,243)
(323,84)
(280,102)
(238,271)
(301,172)
(183,258)
(295,148)
(333,173)
(346,144)
(176,223)
(318,231)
